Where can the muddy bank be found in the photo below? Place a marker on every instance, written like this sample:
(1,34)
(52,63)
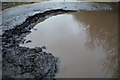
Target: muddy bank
(27,62)
(22,61)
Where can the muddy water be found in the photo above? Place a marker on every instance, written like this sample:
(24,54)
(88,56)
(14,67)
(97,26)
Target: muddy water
(85,42)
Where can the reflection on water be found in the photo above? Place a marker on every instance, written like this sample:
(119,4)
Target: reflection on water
(85,42)
(103,31)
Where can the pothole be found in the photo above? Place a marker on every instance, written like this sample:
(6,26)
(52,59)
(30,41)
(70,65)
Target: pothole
(75,38)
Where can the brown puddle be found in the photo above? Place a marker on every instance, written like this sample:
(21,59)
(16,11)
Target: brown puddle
(85,42)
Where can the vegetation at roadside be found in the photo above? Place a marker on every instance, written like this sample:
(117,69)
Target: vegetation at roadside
(113,4)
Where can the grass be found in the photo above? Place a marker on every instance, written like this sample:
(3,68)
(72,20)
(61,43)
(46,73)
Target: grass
(113,4)
(109,3)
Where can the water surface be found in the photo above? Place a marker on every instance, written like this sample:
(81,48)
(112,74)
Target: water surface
(85,42)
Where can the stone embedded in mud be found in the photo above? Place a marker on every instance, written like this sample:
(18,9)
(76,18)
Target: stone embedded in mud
(28,41)
(34,29)
(21,40)
(43,47)
(37,49)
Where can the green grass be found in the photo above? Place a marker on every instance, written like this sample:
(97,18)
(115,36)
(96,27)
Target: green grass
(109,3)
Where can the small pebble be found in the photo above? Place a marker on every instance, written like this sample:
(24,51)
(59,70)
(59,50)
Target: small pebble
(28,41)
